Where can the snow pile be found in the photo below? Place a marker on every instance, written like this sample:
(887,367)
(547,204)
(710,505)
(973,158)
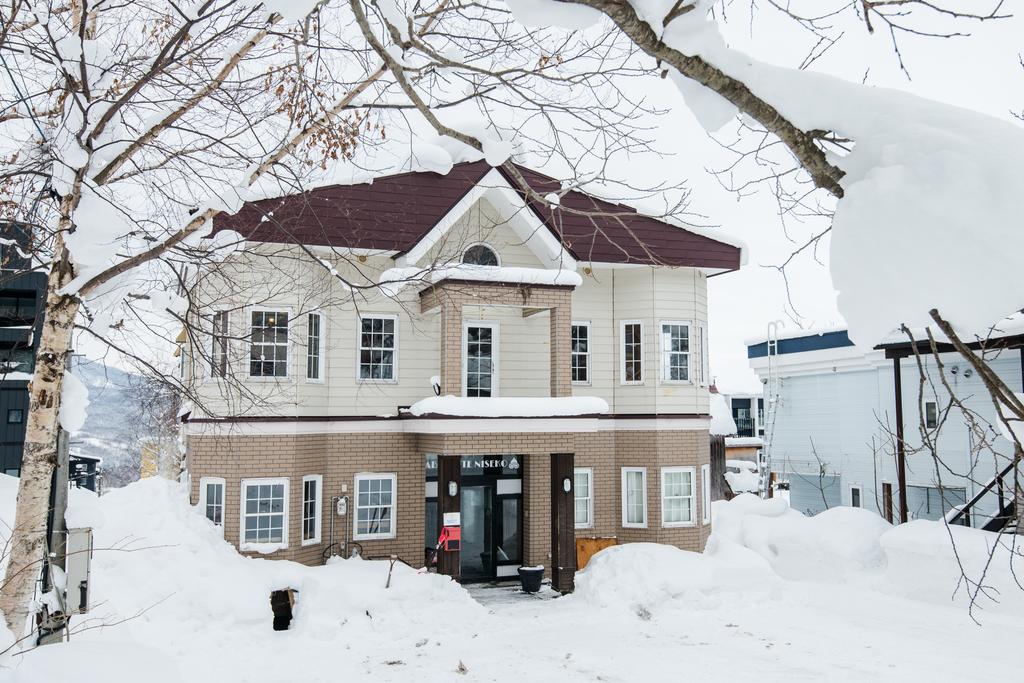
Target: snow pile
(507,406)
(744,479)
(74,403)
(722,423)
(394,280)
(182,588)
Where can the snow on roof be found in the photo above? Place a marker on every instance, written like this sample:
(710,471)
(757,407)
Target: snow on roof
(796,333)
(742,464)
(744,441)
(743,481)
(464,406)
(722,423)
(393,280)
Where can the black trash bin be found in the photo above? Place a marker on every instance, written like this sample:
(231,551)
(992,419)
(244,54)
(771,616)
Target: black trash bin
(530,577)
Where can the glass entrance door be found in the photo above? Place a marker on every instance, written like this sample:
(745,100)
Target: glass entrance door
(477,553)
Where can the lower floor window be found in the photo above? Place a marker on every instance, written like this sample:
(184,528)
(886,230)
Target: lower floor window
(855,497)
(705,493)
(311,485)
(634,496)
(375,506)
(211,499)
(584,497)
(677,496)
(265,511)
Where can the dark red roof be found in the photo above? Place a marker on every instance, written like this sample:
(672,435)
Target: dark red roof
(395,212)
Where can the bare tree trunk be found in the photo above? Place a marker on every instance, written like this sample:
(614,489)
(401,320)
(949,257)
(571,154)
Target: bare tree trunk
(40,453)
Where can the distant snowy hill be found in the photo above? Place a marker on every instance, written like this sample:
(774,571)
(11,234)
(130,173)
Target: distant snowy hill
(112,427)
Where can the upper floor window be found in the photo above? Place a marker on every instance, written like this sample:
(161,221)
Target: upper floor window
(480,367)
(480,255)
(314,346)
(268,347)
(931,415)
(581,353)
(675,352)
(378,345)
(632,352)
(17,308)
(219,350)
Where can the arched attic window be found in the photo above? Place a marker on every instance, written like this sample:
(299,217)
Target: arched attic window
(480,255)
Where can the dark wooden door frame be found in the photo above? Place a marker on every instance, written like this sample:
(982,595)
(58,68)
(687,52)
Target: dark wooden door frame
(563,523)
(449,468)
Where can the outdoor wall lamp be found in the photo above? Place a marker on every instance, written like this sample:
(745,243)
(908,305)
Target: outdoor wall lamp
(453,489)
(566,485)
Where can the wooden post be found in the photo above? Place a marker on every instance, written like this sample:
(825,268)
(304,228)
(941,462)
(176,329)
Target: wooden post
(716,469)
(901,453)
(887,501)
(449,469)
(563,526)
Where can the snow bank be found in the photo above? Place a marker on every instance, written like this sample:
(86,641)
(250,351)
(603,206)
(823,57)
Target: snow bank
(74,403)
(504,406)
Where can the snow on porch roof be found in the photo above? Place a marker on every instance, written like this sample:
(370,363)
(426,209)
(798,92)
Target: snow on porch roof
(394,213)
(507,406)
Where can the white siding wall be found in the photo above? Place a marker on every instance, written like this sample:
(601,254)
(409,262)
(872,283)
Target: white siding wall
(285,278)
(847,414)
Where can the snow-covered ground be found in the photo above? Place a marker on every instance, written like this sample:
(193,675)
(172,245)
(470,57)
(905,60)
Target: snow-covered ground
(777,596)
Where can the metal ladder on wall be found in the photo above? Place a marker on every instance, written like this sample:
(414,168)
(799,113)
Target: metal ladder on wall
(771,404)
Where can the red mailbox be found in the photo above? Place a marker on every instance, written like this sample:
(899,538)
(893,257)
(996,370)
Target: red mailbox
(451,537)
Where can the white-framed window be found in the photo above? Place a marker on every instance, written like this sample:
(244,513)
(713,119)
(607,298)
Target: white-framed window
(480,254)
(580,342)
(312,504)
(675,351)
(705,493)
(268,343)
(583,488)
(631,369)
(931,415)
(315,347)
(378,348)
(705,357)
(219,345)
(677,496)
(480,358)
(264,514)
(211,499)
(856,496)
(375,506)
(634,497)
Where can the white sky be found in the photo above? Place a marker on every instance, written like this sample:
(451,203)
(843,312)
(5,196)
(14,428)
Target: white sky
(980,72)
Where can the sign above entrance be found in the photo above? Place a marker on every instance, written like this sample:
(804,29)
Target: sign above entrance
(495,465)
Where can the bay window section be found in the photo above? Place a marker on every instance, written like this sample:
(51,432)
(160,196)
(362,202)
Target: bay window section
(264,514)
(480,351)
(211,500)
(675,351)
(268,346)
(677,501)
(311,505)
(378,347)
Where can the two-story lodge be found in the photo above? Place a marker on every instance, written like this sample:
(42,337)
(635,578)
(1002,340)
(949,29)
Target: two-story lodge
(381,356)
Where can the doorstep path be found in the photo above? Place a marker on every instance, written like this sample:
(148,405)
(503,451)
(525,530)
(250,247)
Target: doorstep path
(502,595)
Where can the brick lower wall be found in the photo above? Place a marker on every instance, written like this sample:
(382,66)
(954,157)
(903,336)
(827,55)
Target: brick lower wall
(339,457)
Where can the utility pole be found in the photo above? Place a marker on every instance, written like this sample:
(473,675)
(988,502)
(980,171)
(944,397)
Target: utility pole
(901,451)
(53,623)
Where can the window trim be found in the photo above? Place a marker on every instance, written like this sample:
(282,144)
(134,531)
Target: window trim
(318,511)
(288,345)
(588,354)
(203,483)
(693,496)
(860,489)
(590,497)
(495,354)
(359,349)
(494,251)
(364,476)
(705,493)
(663,352)
(255,545)
(622,354)
(625,523)
(321,355)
